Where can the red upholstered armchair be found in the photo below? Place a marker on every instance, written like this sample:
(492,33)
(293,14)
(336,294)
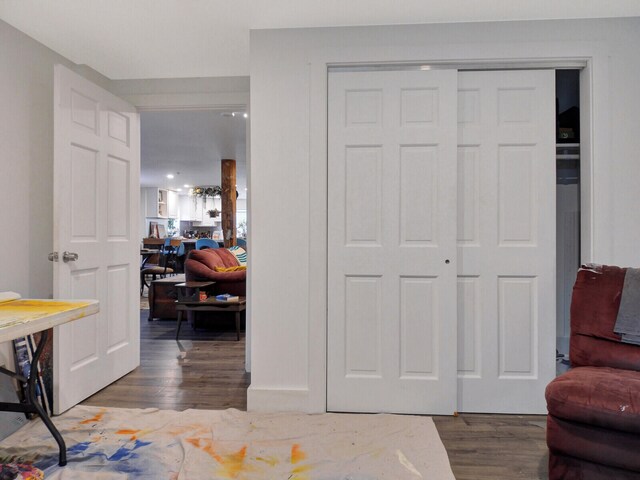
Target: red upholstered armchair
(593,426)
(201,266)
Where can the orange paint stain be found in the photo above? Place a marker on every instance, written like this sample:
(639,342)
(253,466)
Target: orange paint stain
(129,432)
(94,419)
(234,463)
(206,445)
(231,465)
(297,454)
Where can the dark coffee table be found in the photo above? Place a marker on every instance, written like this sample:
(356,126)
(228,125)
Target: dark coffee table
(191,303)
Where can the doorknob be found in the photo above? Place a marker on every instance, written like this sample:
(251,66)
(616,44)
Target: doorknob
(53,257)
(69,256)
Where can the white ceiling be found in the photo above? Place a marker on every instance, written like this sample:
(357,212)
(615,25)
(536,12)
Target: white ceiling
(203,38)
(190,145)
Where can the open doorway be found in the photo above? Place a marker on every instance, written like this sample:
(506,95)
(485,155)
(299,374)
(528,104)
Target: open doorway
(567,204)
(181,156)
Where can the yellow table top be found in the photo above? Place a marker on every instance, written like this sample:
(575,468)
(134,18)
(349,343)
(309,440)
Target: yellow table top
(26,316)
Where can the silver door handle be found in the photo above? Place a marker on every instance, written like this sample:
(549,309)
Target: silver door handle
(69,256)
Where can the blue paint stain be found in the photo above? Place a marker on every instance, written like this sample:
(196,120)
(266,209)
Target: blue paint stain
(78,448)
(125,452)
(120,459)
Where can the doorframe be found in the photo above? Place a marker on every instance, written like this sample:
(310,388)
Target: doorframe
(236,101)
(591,65)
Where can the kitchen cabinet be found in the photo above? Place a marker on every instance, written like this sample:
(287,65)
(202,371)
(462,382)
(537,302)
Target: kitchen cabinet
(156,202)
(208,204)
(172,204)
(190,210)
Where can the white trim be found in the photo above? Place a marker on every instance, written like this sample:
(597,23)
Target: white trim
(471,65)
(284,400)
(318,223)
(188,101)
(162,102)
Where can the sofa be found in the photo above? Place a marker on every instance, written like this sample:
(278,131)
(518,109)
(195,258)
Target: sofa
(593,426)
(204,265)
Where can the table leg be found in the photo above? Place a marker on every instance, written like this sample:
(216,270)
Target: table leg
(237,325)
(179,321)
(31,389)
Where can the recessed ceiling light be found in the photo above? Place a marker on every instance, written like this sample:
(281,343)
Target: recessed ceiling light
(186,186)
(169,176)
(246,115)
(178,189)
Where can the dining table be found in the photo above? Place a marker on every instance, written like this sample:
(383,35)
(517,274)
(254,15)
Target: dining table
(146,253)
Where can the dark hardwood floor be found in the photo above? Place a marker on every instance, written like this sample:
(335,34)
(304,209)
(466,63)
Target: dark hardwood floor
(206,370)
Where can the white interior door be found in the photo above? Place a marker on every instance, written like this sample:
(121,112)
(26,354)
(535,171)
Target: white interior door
(96,202)
(506,240)
(392,243)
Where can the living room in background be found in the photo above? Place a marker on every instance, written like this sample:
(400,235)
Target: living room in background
(217,97)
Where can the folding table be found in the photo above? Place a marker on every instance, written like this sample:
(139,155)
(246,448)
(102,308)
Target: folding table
(22,317)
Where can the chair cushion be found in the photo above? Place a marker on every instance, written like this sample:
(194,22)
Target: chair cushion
(594,444)
(156,270)
(602,396)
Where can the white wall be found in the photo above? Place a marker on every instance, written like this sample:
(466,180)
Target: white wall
(288,145)
(26,163)
(184,93)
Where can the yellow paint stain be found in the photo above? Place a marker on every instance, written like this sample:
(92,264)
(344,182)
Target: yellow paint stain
(94,419)
(18,312)
(129,432)
(271,461)
(234,463)
(301,469)
(297,454)
(49,306)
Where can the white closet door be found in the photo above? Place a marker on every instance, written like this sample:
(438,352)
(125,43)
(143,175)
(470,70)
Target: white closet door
(392,228)
(506,240)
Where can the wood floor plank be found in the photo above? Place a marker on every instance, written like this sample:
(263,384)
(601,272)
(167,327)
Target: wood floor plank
(206,371)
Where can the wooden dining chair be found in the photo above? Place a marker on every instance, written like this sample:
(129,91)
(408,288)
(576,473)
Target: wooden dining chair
(162,269)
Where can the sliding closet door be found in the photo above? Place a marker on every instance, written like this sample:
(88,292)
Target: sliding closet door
(506,240)
(392,242)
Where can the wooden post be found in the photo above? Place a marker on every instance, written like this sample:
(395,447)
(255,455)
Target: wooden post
(229,202)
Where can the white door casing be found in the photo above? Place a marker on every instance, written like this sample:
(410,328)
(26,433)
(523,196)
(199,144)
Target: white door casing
(96,202)
(392,228)
(506,240)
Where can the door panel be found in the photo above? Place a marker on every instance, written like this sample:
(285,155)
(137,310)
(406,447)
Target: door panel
(506,240)
(392,189)
(96,180)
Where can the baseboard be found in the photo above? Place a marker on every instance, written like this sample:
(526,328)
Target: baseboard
(278,400)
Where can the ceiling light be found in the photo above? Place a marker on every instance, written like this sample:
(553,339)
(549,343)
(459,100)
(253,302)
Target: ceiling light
(186,186)
(169,176)
(245,115)
(178,189)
